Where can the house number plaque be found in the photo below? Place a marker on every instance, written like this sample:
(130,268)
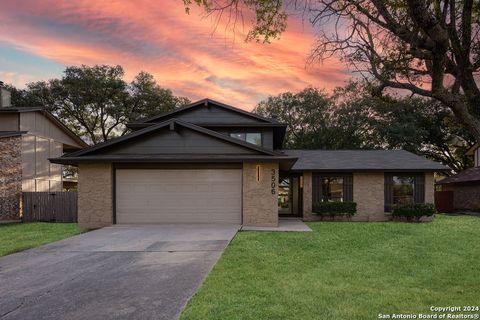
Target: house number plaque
(274,182)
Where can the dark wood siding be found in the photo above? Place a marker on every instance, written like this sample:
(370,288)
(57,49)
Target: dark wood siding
(181,141)
(419,188)
(388,190)
(348,187)
(212,115)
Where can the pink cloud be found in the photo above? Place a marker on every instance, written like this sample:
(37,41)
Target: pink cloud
(178,49)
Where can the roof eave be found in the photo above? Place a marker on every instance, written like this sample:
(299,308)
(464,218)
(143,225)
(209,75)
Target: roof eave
(441,182)
(10,134)
(403,170)
(188,159)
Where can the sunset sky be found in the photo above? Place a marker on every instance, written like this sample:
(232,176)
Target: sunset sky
(184,52)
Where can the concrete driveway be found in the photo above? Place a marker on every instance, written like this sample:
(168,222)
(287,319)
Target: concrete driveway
(119,272)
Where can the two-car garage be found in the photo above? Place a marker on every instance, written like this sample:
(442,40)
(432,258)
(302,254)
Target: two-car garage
(178,196)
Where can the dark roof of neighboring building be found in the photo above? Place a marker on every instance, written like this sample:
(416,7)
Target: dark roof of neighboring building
(469,175)
(50,116)
(7,134)
(361,160)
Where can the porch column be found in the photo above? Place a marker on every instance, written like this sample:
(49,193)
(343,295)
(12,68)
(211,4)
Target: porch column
(260,195)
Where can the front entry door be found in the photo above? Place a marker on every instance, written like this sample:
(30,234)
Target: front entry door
(288,196)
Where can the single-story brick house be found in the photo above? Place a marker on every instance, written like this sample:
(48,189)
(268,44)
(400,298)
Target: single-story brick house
(465,185)
(211,162)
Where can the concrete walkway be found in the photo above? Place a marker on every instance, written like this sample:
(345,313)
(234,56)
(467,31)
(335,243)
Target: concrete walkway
(284,224)
(120,272)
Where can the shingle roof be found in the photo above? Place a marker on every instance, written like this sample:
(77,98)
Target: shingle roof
(362,160)
(469,175)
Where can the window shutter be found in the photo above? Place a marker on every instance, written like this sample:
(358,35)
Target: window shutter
(388,192)
(419,188)
(316,188)
(348,187)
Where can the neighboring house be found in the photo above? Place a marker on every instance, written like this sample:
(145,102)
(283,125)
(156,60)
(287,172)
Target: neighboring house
(212,163)
(28,137)
(475,153)
(465,185)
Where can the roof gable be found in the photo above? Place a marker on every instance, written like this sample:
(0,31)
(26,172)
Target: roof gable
(42,122)
(173,137)
(208,111)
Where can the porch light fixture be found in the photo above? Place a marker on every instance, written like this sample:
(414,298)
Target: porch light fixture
(258,173)
(301,182)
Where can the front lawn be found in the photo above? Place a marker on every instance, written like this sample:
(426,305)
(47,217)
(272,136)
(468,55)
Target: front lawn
(344,270)
(21,236)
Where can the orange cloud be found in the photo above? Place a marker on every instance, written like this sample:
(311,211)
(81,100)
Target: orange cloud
(178,49)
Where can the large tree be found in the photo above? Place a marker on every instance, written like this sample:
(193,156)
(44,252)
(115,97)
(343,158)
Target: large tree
(355,117)
(314,122)
(96,102)
(420,125)
(428,47)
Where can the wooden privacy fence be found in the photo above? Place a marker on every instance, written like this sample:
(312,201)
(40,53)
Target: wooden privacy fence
(49,206)
(444,201)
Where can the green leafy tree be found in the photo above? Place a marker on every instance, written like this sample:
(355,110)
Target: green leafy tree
(356,117)
(96,102)
(419,125)
(307,115)
(428,47)
(148,99)
(314,122)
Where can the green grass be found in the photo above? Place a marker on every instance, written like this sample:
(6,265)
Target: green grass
(344,270)
(22,236)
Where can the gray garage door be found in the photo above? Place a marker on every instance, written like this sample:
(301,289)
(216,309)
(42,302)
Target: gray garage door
(179,196)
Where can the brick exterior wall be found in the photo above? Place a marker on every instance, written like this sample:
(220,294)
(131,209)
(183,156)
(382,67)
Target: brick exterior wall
(307,198)
(466,197)
(10,177)
(368,193)
(260,204)
(429,187)
(95,195)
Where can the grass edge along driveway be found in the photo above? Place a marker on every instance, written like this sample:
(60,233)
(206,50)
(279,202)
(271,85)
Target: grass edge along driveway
(17,237)
(344,270)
